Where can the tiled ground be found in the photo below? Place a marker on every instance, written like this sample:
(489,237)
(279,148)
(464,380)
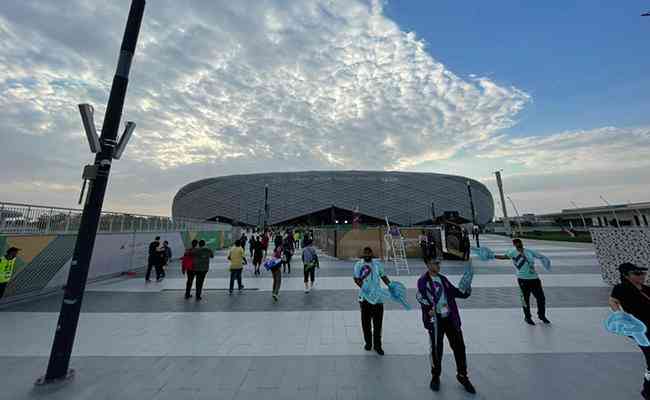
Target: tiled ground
(144,341)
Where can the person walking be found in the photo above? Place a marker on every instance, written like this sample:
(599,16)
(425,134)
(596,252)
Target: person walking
(251,244)
(201,265)
(632,296)
(287,252)
(523,260)
(153,260)
(466,245)
(277,274)
(265,243)
(437,297)
(277,240)
(243,240)
(166,257)
(310,263)
(237,261)
(368,275)
(7,268)
(296,240)
(258,255)
(160,262)
(187,264)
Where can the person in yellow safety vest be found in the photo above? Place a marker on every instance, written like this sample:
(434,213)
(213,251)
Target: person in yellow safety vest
(7,264)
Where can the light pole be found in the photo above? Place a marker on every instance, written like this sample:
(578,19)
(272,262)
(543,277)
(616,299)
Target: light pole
(266,207)
(106,148)
(471,204)
(521,231)
(584,223)
(506,221)
(618,224)
(433,213)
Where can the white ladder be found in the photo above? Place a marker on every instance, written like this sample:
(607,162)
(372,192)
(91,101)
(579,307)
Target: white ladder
(396,250)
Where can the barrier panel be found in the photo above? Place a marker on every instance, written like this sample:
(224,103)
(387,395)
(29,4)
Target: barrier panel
(615,246)
(44,261)
(346,244)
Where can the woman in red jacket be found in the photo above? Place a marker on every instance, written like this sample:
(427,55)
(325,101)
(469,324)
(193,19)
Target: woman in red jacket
(186,267)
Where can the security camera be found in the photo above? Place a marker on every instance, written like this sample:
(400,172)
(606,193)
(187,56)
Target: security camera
(88,120)
(124,140)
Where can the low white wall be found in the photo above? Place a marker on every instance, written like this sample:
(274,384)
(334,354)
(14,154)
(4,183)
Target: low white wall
(116,253)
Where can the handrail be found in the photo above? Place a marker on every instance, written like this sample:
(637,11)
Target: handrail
(35,219)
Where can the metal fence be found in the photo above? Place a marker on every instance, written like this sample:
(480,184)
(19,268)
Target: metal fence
(33,219)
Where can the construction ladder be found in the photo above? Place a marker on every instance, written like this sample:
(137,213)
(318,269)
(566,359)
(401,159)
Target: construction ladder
(396,252)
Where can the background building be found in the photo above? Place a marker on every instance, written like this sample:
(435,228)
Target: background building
(330,197)
(632,214)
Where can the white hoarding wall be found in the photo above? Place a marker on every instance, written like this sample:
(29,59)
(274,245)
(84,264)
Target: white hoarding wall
(615,246)
(118,253)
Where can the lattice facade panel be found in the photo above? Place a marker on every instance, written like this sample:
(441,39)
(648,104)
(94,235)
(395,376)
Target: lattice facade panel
(404,197)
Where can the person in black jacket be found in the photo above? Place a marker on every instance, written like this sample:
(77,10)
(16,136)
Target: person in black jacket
(153,260)
(632,295)
(166,257)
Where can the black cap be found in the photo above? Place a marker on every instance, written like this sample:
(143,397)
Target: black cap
(626,268)
(13,250)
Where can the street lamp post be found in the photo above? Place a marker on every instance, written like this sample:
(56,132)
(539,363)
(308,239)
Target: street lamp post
(471,204)
(266,207)
(506,221)
(106,148)
(584,223)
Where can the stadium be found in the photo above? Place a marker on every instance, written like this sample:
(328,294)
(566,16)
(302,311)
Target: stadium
(332,197)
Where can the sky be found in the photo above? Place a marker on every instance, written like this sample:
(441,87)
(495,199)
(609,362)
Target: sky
(555,94)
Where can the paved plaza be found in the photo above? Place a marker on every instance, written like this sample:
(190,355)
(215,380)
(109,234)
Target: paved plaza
(145,341)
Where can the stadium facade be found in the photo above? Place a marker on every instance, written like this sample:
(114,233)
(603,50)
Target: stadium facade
(327,197)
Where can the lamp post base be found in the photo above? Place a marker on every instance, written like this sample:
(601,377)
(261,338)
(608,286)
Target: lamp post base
(43,382)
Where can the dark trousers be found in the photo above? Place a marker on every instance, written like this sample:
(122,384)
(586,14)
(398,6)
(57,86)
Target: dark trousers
(287,263)
(372,317)
(157,266)
(533,286)
(235,274)
(310,274)
(445,327)
(200,278)
(188,285)
(277,279)
(3,286)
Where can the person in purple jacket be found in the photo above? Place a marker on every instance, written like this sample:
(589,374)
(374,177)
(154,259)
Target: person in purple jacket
(437,297)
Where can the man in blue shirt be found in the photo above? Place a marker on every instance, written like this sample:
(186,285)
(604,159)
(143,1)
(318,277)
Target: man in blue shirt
(368,274)
(524,262)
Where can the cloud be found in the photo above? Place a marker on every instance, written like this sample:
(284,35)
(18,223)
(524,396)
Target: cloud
(606,149)
(250,86)
(330,81)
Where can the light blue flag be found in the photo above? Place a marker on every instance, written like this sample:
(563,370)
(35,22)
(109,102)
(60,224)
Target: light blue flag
(624,324)
(465,284)
(483,253)
(396,292)
(546,262)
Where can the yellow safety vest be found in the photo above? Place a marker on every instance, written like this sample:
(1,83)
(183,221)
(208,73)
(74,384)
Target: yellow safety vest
(6,269)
